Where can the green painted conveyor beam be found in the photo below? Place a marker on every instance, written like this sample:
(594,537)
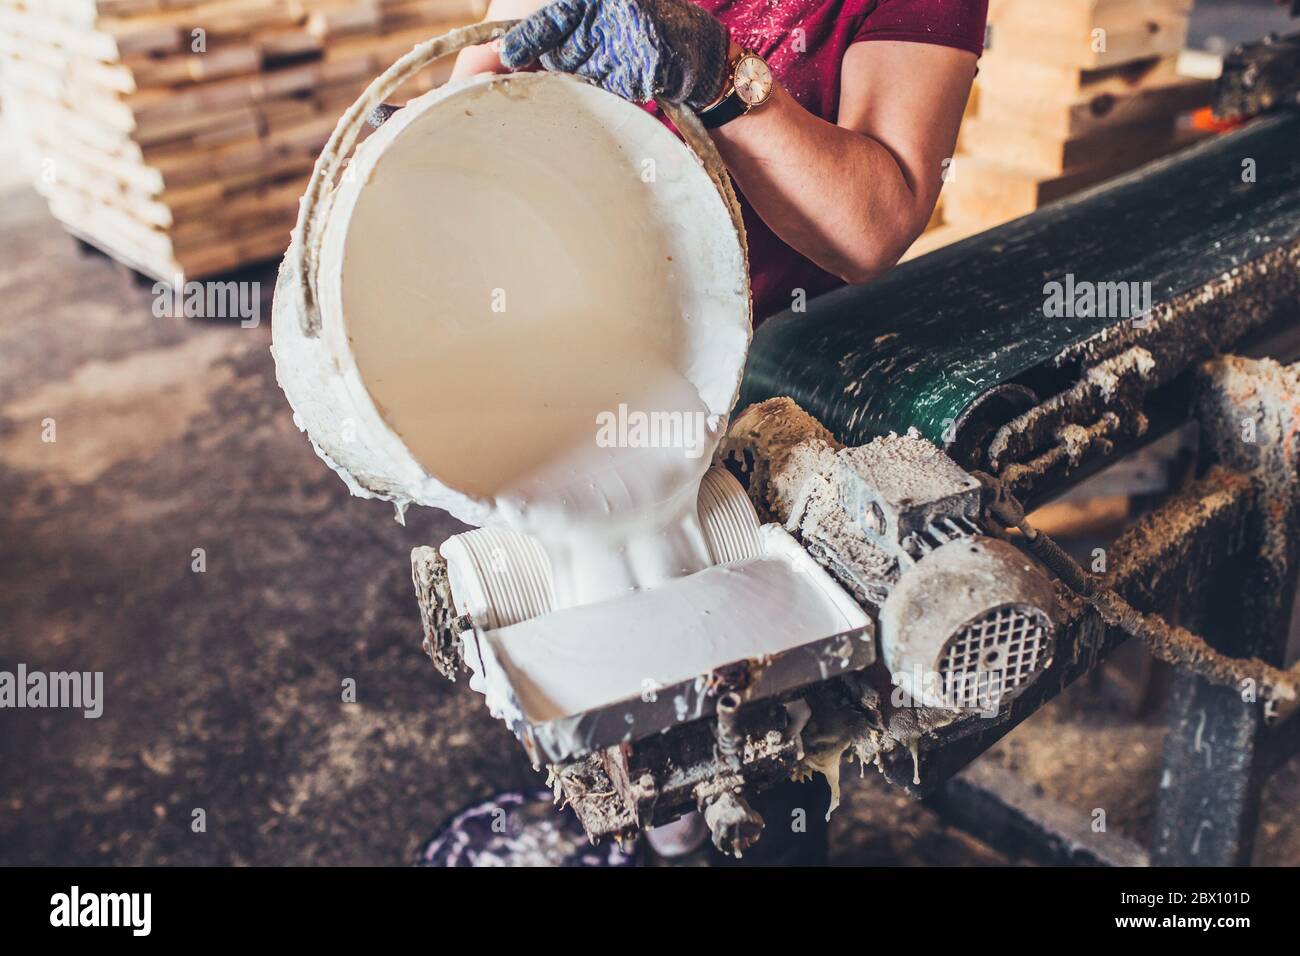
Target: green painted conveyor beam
(921,346)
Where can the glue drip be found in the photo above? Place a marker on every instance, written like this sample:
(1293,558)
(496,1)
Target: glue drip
(550,436)
(612,511)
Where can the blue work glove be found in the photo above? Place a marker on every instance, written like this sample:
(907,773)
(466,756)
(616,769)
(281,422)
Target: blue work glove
(637,49)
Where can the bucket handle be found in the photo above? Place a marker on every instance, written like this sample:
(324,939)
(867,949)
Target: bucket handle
(305,248)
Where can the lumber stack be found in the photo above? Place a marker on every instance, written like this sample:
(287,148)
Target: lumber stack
(1070,92)
(177,135)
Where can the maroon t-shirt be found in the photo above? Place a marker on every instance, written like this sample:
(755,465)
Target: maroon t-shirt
(804,42)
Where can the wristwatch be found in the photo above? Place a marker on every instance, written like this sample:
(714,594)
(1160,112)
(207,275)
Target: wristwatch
(751,85)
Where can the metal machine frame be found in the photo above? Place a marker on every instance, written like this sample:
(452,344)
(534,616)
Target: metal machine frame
(1211,349)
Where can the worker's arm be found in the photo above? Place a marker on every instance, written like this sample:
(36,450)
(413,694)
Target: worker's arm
(853,197)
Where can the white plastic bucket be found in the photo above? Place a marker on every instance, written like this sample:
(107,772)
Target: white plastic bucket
(481,221)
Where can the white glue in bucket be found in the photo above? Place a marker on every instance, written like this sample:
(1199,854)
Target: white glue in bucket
(482,309)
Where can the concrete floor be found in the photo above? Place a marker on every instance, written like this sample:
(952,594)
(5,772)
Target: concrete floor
(222,689)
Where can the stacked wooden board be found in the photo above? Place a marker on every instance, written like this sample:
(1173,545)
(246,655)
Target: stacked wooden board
(177,135)
(1070,92)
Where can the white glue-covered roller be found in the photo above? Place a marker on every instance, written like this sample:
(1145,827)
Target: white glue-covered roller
(729,519)
(501,577)
(526,302)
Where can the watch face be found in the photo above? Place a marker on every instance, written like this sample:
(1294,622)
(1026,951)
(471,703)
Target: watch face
(753,80)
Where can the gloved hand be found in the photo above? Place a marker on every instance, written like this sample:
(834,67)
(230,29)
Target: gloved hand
(635,48)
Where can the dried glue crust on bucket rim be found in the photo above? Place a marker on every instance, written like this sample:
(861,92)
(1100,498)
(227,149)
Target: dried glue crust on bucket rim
(600,196)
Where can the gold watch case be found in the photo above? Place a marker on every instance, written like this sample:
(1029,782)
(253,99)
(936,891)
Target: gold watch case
(752,80)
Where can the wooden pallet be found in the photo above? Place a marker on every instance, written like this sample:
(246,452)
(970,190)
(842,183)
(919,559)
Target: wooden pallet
(177,135)
(1087,34)
(1070,93)
(988,192)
